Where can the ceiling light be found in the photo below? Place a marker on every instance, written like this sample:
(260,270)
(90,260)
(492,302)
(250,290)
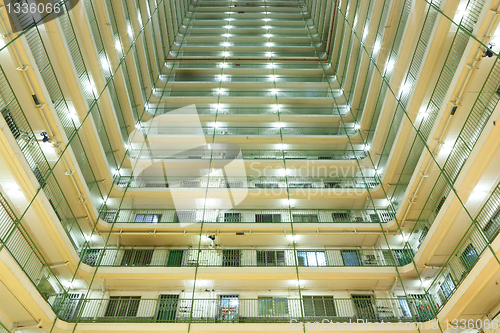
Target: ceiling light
(405,88)
(268,35)
(228,27)
(390,65)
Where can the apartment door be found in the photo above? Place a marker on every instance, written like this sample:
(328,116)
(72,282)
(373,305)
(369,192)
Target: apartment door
(228,308)
(167,308)
(231,258)
(364,306)
(175,258)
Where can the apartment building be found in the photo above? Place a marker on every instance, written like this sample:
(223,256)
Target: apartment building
(249,166)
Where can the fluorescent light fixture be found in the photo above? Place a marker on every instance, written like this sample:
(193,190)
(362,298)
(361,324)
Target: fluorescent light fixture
(365,33)
(227,35)
(225,44)
(278,125)
(274,91)
(266,19)
(130,31)
(269,54)
(272,77)
(376,46)
(105,64)
(118,45)
(390,65)
(405,88)
(268,35)
(225,54)
(366,147)
(269,44)
(228,27)
(357,127)
(282,172)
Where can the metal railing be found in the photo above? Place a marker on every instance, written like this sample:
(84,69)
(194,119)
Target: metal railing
(283,111)
(17,241)
(172,309)
(247,216)
(4,329)
(251,154)
(283,93)
(232,257)
(289,182)
(155,130)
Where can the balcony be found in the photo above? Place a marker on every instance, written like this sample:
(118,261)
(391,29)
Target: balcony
(246,216)
(302,183)
(260,131)
(231,309)
(248,154)
(178,257)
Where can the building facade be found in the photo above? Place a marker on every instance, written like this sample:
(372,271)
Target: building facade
(249,166)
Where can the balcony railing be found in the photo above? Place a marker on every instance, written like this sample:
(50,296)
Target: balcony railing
(3,329)
(210,65)
(17,241)
(230,257)
(246,216)
(274,131)
(283,93)
(302,183)
(171,309)
(246,78)
(250,154)
(284,111)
